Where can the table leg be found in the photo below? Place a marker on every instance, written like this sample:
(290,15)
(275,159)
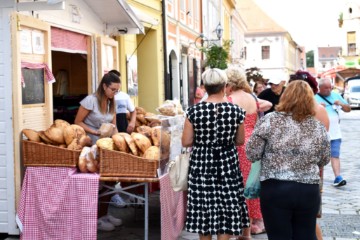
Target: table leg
(146,211)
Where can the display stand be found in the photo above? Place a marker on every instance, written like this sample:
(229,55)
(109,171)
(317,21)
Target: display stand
(139,182)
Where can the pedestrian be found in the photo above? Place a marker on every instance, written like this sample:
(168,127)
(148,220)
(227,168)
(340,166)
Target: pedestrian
(291,145)
(259,87)
(323,117)
(333,103)
(213,128)
(273,93)
(124,104)
(239,92)
(96,109)
(199,93)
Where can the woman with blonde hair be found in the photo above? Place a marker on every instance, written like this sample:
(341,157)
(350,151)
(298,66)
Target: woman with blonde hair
(291,145)
(239,92)
(213,128)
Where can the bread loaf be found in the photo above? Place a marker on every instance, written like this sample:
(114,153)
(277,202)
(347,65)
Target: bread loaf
(152,152)
(107,130)
(140,110)
(120,143)
(75,145)
(131,143)
(141,141)
(32,135)
(73,131)
(106,143)
(82,160)
(55,134)
(144,130)
(45,139)
(85,140)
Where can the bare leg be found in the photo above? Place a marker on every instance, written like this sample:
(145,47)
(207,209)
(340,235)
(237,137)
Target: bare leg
(318,232)
(335,164)
(204,237)
(223,237)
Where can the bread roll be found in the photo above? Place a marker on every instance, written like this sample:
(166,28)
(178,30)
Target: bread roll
(120,143)
(156,135)
(106,143)
(152,152)
(32,135)
(91,167)
(131,143)
(141,141)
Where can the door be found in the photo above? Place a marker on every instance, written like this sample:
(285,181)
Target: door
(107,56)
(32,82)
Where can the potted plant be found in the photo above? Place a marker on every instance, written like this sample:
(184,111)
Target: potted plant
(217,56)
(341,20)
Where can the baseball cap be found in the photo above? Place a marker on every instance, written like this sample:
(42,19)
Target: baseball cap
(277,79)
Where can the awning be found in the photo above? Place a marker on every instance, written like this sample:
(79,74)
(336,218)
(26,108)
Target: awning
(117,15)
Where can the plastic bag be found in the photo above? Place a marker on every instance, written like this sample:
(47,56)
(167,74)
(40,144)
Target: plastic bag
(178,171)
(252,187)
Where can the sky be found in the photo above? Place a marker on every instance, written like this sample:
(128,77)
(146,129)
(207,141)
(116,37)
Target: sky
(311,23)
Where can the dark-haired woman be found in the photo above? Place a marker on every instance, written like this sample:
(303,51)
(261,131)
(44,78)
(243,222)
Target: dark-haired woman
(94,110)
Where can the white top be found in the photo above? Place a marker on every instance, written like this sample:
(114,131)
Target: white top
(123,103)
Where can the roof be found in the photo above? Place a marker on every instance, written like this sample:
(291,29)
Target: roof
(256,20)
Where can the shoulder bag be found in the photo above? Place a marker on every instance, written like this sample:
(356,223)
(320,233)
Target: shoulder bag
(178,171)
(252,187)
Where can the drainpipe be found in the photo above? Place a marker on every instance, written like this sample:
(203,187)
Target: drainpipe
(164,25)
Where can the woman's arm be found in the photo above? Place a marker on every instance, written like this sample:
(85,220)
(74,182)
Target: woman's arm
(240,135)
(264,105)
(79,120)
(188,134)
(322,116)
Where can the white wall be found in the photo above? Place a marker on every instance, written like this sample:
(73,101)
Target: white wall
(7,189)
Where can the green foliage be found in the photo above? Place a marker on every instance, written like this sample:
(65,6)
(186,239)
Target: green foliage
(217,56)
(310,59)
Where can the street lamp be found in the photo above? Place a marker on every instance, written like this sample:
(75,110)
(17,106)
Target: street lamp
(219,31)
(205,42)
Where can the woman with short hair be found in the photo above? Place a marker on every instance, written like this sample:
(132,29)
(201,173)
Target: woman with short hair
(213,128)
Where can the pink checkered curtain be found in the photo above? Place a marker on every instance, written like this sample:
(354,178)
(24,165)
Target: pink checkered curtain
(48,74)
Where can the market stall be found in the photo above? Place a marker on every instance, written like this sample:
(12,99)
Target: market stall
(66,209)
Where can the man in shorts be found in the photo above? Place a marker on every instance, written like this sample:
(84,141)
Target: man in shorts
(333,103)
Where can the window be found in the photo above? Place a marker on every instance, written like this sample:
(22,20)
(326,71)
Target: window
(265,52)
(182,5)
(243,54)
(351,42)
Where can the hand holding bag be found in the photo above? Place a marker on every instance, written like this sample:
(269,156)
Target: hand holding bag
(252,187)
(178,171)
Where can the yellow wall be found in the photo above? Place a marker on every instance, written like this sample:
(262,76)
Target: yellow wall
(149,54)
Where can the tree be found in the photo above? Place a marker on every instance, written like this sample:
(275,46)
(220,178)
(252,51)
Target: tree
(310,59)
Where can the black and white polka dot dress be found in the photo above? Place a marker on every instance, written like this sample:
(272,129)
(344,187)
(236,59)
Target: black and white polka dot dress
(216,203)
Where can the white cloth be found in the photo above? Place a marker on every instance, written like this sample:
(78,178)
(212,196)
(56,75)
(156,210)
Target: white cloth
(123,103)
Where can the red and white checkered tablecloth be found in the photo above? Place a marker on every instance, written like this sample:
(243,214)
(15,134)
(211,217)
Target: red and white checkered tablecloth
(173,210)
(58,203)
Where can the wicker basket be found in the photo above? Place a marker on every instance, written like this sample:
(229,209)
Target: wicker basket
(39,154)
(115,163)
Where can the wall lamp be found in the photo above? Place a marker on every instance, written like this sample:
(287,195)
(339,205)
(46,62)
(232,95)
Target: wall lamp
(206,42)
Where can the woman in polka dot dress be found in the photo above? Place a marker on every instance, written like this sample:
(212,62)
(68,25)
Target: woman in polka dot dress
(216,203)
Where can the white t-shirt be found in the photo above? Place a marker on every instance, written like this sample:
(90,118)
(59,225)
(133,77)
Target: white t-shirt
(123,103)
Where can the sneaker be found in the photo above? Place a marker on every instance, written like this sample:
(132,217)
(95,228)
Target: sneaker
(104,225)
(117,201)
(339,181)
(113,220)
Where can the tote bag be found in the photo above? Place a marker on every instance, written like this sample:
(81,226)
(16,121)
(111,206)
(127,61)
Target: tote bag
(178,171)
(252,187)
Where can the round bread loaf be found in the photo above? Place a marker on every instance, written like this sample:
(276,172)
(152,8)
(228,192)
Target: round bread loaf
(45,139)
(144,130)
(106,143)
(131,143)
(120,143)
(152,152)
(55,134)
(73,131)
(141,141)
